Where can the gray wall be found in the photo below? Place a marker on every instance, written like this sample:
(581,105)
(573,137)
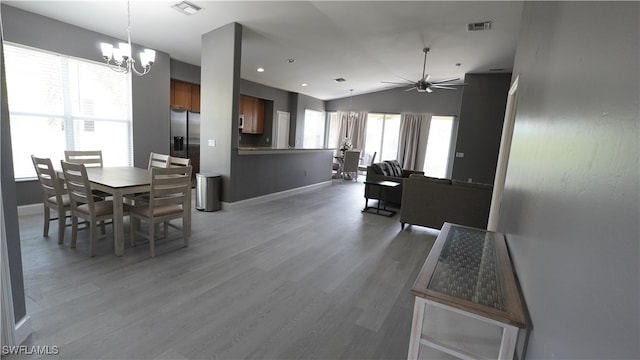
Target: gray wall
(571,204)
(9,204)
(480,126)
(150,94)
(185,72)
(396,101)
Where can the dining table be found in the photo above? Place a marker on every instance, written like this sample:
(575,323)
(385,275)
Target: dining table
(118,182)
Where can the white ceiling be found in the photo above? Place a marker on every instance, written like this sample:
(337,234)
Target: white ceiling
(365,42)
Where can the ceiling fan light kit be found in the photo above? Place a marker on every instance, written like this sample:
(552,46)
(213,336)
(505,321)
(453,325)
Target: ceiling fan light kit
(423,84)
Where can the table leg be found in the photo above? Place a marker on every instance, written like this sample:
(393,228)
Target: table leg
(118,226)
(508,343)
(416,328)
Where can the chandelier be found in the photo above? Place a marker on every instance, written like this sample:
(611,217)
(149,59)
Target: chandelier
(119,58)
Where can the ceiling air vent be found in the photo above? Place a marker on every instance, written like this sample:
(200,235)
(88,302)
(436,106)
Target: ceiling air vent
(187,8)
(479,26)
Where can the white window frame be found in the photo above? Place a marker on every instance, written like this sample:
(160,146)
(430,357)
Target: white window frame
(67,116)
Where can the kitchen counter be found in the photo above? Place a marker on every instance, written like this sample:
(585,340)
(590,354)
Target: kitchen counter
(262,150)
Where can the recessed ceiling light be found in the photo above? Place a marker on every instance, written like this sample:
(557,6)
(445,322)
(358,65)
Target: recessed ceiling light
(458,64)
(304,84)
(187,8)
(339,80)
(291,61)
(260,69)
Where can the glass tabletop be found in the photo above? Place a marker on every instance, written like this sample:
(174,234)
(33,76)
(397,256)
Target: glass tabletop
(467,268)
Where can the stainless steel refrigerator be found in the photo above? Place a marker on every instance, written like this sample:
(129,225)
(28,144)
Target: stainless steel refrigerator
(185,137)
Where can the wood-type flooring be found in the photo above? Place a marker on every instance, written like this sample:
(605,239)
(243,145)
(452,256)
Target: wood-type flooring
(304,277)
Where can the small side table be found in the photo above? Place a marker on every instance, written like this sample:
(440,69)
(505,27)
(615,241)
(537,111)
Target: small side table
(383,188)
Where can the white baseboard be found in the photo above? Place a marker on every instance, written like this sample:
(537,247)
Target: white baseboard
(31,209)
(23,329)
(274,196)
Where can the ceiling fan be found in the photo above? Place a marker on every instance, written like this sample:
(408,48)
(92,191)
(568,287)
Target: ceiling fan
(423,84)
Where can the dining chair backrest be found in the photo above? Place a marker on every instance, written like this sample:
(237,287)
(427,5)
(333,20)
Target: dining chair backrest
(78,186)
(48,179)
(178,162)
(158,161)
(89,158)
(170,187)
(53,196)
(351,160)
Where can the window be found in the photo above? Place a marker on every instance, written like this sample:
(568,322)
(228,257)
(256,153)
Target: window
(439,147)
(333,129)
(59,103)
(383,131)
(313,129)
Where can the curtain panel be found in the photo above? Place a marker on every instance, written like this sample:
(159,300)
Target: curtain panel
(408,142)
(352,127)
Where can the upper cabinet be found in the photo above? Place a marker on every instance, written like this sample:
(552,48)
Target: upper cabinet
(252,110)
(185,96)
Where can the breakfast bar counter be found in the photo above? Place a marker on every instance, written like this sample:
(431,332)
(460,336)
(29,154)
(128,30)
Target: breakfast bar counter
(265,150)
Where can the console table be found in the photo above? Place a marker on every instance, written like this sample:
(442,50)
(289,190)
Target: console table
(468,272)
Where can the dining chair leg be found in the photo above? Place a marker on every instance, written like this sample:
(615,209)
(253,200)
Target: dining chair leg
(92,237)
(74,231)
(47,218)
(152,237)
(135,224)
(62,223)
(186,229)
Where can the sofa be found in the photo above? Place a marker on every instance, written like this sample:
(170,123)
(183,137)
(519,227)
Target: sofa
(388,170)
(430,202)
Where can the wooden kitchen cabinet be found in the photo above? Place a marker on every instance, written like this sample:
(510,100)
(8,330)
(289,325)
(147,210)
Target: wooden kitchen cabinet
(195,98)
(185,96)
(253,111)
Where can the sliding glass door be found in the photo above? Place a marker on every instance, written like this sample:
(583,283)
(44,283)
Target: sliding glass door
(438,159)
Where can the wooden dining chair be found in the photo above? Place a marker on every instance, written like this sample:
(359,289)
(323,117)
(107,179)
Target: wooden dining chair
(53,196)
(89,158)
(367,160)
(158,161)
(84,205)
(178,161)
(351,160)
(170,198)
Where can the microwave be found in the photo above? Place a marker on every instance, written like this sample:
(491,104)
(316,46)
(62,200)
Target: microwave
(241,121)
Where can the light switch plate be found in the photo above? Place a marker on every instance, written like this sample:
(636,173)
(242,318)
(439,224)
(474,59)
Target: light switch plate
(459,154)
(212,143)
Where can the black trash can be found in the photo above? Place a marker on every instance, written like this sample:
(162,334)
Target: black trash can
(208,191)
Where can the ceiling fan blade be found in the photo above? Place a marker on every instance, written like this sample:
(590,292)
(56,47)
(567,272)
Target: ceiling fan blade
(405,79)
(426,77)
(442,87)
(411,88)
(445,80)
(397,83)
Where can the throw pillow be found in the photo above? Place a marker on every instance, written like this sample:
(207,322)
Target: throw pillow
(394,168)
